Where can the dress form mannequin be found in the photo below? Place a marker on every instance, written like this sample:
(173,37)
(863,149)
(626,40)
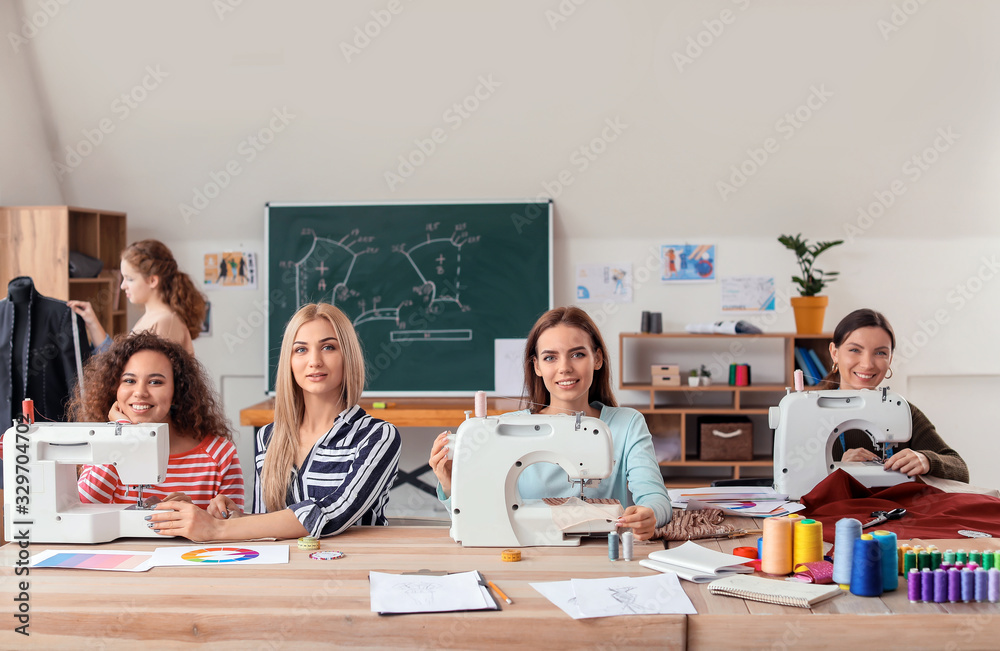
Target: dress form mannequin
(19,292)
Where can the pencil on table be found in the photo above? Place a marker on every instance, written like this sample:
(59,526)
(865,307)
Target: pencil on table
(500,592)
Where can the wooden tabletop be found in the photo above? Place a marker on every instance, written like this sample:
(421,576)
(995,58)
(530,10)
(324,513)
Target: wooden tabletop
(310,603)
(401,412)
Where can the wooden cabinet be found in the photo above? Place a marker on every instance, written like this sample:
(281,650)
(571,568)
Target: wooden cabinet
(672,412)
(36,241)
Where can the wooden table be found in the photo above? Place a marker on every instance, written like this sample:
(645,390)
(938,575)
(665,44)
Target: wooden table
(401,412)
(309,603)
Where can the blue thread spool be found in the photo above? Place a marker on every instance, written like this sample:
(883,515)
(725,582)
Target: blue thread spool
(968,585)
(760,547)
(613,546)
(913,579)
(848,530)
(940,586)
(954,585)
(866,567)
(981,578)
(890,561)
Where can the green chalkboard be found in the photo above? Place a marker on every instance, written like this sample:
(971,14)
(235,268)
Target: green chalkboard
(429,286)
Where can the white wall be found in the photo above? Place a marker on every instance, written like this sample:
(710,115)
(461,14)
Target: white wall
(878,97)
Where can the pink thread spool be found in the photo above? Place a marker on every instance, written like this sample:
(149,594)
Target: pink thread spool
(480,404)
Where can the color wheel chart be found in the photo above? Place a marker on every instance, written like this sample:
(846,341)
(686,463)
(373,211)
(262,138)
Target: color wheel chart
(219,555)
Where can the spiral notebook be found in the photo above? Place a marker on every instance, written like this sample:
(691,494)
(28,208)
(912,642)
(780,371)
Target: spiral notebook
(773,591)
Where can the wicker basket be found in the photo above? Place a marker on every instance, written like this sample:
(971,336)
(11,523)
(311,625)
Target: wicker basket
(725,438)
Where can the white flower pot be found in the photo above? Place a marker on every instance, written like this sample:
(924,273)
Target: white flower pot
(694,381)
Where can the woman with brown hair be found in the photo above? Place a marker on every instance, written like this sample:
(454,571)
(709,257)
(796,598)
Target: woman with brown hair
(143,378)
(175,309)
(323,464)
(861,351)
(566,371)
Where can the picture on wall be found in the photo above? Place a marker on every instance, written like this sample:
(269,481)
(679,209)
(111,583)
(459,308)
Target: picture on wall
(230,270)
(748,294)
(604,282)
(687,263)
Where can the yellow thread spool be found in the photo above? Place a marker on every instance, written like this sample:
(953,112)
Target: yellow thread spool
(510,555)
(807,542)
(777,558)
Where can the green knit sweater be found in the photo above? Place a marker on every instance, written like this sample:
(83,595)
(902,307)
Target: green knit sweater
(945,462)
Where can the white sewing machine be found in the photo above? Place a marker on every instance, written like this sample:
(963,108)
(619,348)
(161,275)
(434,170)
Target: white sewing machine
(489,455)
(47,503)
(806,423)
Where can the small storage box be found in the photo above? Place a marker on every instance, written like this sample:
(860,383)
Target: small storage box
(725,438)
(666,375)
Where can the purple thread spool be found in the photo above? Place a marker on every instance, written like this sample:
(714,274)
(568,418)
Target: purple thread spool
(981,584)
(927,585)
(954,585)
(993,591)
(913,580)
(940,586)
(968,585)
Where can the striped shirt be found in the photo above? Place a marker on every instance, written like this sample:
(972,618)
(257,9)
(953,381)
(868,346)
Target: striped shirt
(210,468)
(346,477)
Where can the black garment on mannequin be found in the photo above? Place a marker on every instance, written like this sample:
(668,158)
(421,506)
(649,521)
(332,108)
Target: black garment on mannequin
(37,356)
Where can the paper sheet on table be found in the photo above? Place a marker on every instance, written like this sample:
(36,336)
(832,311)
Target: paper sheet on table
(111,560)
(680,496)
(660,594)
(421,593)
(748,508)
(220,555)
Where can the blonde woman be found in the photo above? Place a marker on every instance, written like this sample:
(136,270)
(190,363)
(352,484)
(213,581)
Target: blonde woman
(323,464)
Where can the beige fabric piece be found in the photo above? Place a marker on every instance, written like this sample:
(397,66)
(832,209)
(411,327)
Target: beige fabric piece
(692,525)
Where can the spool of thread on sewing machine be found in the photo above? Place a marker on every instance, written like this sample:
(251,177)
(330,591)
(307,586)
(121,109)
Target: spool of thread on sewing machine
(777,558)
(799,382)
(480,404)
(866,567)
(940,586)
(993,585)
(807,542)
(913,585)
(613,546)
(890,561)
(627,538)
(848,530)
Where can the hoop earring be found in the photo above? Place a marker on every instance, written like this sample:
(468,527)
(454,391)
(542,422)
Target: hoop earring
(834,369)
(889,374)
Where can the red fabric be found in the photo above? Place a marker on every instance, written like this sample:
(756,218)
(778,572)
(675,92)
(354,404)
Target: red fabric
(930,512)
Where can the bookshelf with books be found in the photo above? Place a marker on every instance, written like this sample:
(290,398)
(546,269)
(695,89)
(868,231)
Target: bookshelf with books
(37,241)
(673,413)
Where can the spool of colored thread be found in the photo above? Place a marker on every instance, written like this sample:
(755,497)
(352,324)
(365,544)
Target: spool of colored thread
(627,545)
(940,586)
(959,565)
(949,557)
(890,568)
(901,553)
(923,560)
(982,587)
(927,585)
(976,556)
(913,585)
(848,530)
(989,559)
(961,556)
(613,546)
(909,562)
(866,567)
(954,585)
(777,558)
(968,585)
(935,559)
(993,585)
(807,542)
(973,566)
(745,552)
(760,547)
(996,559)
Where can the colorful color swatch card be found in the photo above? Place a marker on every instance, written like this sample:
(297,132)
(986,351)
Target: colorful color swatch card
(221,554)
(86,559)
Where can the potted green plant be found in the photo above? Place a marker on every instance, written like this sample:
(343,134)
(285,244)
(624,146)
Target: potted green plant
(702,377)
(809,306)
(693,379)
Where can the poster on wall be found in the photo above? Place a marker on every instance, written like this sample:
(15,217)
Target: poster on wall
(604,282)
(748,294)
(230,270)
(687,263)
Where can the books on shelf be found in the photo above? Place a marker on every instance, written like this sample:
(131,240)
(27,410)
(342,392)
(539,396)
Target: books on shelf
(774,591)
(695,563)
(813,370)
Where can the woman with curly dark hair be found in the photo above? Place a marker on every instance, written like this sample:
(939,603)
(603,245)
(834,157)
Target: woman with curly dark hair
(175,309)
(143,378)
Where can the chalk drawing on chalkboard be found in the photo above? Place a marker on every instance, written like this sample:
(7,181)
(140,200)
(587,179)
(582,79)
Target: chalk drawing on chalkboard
(436,263)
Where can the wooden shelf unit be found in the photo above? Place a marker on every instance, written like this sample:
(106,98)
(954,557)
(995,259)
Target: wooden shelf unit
(38,240)
(678,407)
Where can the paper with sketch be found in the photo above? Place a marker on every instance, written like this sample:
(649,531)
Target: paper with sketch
(695,563)
(661,594)
(419,593)
(561,594)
